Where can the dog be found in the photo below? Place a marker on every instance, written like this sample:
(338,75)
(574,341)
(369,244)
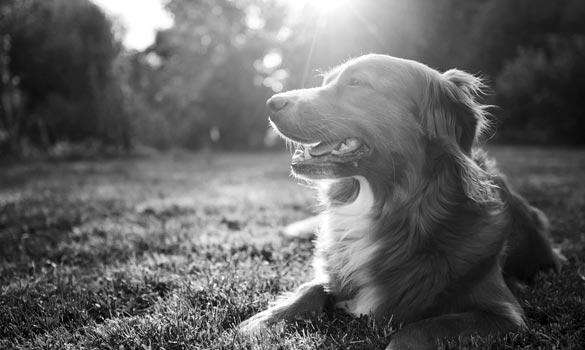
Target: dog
(418,225)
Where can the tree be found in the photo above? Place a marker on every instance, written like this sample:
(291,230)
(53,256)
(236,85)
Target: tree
(533,51)
(58,56)
(541,92)
(201,75)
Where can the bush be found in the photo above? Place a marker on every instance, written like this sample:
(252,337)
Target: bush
(58,80)
(541,93)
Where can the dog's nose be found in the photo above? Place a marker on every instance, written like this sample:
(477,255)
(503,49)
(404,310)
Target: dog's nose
(277,103)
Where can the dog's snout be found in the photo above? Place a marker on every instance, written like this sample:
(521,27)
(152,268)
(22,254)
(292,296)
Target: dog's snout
(277,103)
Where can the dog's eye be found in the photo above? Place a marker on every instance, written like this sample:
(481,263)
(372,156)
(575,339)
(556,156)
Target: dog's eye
(357,82)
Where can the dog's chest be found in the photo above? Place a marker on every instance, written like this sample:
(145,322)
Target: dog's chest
(345,250)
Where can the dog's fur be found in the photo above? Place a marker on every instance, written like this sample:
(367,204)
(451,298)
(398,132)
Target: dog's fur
(420,227)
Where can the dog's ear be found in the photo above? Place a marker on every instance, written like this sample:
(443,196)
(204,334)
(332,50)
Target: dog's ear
(450,108)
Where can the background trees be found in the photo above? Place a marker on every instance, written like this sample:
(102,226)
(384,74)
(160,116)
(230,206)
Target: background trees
(203,82)
(201,79)
(533,52)
(58,82)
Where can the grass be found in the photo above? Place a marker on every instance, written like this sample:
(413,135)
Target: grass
(173,252)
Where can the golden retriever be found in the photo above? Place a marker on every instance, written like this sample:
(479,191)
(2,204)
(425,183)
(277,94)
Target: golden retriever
(419,226)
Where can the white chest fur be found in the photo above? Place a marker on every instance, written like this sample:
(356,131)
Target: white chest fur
(344,251)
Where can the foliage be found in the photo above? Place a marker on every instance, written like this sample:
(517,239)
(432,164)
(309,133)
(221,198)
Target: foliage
(174,252)
(533,52)
(480,36)
(57,77)
(204,81)
(541,92)
(200,76)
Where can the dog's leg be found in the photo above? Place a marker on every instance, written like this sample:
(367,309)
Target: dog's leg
(425,334)
(529,249)
(497,311)
(308,300)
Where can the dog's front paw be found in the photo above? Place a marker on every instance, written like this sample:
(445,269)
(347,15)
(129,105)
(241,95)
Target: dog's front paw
(258,323)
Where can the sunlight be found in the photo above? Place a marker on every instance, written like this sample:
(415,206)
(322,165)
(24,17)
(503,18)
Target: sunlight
(141,26)
(323,7)
(272,60)
(328,6)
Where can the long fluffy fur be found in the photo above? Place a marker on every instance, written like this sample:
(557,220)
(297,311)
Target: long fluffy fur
(425,229)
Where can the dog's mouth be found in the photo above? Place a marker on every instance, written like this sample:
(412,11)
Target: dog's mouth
(347,150)
(327,158)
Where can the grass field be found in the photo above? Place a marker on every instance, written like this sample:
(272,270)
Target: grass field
(172,252)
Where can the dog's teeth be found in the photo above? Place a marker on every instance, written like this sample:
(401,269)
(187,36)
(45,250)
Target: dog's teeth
(307,154)
(346,146)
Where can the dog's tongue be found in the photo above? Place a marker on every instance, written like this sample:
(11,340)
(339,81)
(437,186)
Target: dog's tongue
(324,148)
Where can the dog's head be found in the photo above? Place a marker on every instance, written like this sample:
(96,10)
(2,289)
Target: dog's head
(375,112)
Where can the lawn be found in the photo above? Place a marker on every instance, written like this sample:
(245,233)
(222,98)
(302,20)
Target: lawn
(173,251)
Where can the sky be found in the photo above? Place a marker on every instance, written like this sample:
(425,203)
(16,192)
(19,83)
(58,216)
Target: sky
(141,18)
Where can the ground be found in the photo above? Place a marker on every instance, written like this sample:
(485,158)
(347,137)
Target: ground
(174,251)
